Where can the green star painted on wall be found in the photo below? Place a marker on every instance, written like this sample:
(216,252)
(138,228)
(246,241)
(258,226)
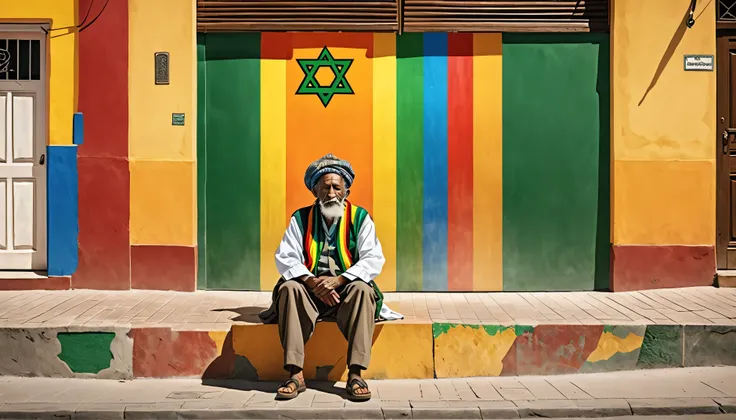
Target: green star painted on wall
(339,85)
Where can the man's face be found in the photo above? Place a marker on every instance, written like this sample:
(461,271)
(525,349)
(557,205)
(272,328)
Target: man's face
(331,193)
(330,187)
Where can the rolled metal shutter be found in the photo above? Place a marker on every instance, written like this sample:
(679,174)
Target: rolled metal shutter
(298,15)
(505,15)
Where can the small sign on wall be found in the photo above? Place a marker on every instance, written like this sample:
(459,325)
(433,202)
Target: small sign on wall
(697,62)
(161,63)
(177,119)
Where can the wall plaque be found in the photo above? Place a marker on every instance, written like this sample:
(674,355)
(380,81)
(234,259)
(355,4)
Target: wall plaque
(161,60)
(177,119)
(698,62)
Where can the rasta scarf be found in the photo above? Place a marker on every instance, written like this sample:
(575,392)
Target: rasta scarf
(346,239)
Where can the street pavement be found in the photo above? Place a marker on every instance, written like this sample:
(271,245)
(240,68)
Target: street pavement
(665,392)
(218,310)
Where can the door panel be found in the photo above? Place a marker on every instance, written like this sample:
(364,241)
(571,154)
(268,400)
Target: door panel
(22,147)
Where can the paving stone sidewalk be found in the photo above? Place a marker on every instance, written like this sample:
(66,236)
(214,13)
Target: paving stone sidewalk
(654,392)
(218,310)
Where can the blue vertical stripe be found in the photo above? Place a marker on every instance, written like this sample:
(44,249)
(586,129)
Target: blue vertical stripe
(435,162)
(78,129)
(62,215)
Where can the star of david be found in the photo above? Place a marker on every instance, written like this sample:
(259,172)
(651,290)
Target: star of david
(339,85)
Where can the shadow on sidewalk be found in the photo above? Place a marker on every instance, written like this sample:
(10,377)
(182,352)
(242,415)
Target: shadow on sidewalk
(247,314)
(271,387)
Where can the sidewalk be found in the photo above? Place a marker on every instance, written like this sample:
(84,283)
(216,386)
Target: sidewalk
(655,392)
(218,310)
(217,335)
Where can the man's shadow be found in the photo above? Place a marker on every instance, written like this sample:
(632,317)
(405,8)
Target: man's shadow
(233,371)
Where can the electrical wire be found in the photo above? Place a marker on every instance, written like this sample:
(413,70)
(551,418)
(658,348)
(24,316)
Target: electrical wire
(89,9)
(96,17)
(82,28)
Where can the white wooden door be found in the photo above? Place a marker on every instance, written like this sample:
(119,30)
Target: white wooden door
(22,149)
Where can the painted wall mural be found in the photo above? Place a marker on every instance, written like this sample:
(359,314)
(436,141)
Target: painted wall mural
(246,351)
(483,158)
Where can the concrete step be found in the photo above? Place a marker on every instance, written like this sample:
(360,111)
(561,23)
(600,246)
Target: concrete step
(400,351)
(142,334)
(687,392)
(726,278)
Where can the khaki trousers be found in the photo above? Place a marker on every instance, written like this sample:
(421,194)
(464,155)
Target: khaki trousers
(298,311)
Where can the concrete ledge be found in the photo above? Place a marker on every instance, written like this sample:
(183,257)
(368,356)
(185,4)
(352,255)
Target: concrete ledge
(674,406)
(372,410)
(573,408)
(726,278)
(438,350)
(728,405)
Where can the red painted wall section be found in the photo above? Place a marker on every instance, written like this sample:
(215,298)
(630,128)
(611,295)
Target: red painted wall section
(104,177)
(642,267)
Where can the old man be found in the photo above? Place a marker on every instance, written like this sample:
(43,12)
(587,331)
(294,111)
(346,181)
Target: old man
(328,259)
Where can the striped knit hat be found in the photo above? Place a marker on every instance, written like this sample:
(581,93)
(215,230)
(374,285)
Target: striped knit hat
(328,164)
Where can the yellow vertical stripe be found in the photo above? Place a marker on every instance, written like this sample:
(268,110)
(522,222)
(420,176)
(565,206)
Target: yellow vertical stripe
(487,163)
(384,153)
(273,165)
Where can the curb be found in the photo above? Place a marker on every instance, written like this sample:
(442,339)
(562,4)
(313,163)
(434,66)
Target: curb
(378,410)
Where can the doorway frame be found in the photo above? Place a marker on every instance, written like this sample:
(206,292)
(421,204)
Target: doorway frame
(37,29)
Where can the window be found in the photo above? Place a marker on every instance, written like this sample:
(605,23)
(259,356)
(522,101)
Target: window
(20,59)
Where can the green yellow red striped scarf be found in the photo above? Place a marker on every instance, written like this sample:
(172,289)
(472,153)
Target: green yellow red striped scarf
(348,228)
(345,238)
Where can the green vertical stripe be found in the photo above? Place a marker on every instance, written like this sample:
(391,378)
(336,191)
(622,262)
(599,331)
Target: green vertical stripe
(555,168)
(201,162)
(233,135)
(409,160)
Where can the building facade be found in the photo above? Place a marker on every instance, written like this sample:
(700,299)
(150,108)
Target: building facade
(157,146)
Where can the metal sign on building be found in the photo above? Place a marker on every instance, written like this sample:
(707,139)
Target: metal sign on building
(161,60)
(695,62)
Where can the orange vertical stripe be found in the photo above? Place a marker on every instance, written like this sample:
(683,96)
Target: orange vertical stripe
(344,127)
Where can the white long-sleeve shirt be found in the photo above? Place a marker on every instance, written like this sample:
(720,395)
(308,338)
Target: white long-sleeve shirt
(290,256)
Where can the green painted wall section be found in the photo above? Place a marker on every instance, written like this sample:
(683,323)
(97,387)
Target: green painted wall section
(229,225)
(662,347)
(555,161)
(409,160)
(86,352)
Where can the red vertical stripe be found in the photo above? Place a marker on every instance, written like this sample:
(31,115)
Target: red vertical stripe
(104,177)
(460,162)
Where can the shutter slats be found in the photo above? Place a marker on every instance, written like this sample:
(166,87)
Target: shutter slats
(505,16)
(413,16)
(277,15)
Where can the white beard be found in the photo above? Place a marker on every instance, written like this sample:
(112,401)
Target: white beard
(332,209)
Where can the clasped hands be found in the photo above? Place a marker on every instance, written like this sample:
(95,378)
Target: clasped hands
(325,288)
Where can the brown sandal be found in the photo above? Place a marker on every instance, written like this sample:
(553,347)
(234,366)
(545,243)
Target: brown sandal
(300,387)
(350,388)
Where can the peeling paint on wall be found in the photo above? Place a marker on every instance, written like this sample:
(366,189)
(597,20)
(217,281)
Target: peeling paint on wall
(86,352)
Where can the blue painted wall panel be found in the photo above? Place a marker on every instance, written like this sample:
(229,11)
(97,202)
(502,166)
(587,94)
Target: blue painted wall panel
(63,214)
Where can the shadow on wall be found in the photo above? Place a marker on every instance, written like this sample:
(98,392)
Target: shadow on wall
(670,50)
(257,355)
(603,245)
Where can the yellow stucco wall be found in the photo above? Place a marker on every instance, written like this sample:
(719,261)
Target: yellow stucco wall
(156,146)
(663,124)
(62,91)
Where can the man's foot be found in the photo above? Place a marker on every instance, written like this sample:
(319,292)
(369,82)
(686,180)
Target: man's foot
(357,388)
(292,387)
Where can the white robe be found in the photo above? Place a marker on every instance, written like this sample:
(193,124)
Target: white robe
(290,258)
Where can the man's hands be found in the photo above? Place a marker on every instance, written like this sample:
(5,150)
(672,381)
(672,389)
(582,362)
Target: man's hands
(324,288)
